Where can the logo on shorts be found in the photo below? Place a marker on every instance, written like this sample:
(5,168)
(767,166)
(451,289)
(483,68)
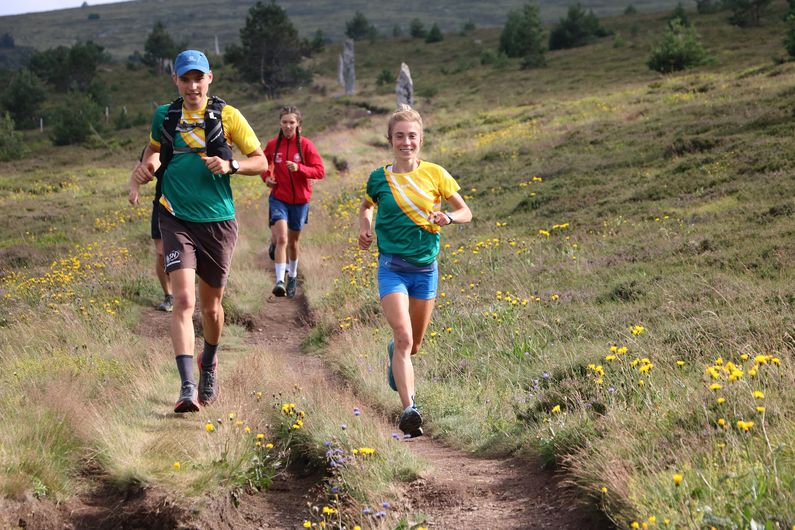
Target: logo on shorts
(172,258)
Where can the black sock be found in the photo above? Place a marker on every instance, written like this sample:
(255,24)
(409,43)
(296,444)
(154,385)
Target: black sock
(185,367)
(209,354)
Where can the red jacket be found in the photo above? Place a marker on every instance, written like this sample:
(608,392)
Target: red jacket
(293,187)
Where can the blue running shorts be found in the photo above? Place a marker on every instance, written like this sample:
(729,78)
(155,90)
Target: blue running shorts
(397,276)
(296,215)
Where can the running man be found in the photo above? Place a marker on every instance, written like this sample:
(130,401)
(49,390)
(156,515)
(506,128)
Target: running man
(189,148)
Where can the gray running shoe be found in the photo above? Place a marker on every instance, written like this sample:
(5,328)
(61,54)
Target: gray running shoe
(167,304)
(411,422)
(208,384)
(291,286)
(187,399)
(278,289)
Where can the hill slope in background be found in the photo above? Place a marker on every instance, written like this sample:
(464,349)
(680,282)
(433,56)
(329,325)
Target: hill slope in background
(122,28)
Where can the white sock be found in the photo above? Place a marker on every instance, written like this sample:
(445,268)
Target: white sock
(292,269)
(280,269)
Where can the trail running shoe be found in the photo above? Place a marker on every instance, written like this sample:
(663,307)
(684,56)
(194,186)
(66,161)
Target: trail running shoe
(167,304)
(390,378)
(187,399)
(291,286)
(208,383)
(411,422)
(278,289)
(272,251)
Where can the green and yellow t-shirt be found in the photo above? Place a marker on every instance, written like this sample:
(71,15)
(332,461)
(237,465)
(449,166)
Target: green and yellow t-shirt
(190,191)
(405,200)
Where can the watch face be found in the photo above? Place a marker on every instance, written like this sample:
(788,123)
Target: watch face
(235,166)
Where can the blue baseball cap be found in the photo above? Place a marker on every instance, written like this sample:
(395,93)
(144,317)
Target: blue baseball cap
(191,60)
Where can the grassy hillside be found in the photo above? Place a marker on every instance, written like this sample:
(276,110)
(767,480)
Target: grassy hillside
(621,305)
(122,28)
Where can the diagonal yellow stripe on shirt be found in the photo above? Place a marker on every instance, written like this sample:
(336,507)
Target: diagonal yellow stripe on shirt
(413,201)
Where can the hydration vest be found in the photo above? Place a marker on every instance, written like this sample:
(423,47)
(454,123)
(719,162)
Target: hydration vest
(215,141)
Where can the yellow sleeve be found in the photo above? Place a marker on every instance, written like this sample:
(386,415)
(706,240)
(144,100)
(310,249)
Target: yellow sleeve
(447,184)
(238,131)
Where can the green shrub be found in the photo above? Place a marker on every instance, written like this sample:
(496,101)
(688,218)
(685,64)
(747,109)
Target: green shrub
(680,48)
(76,119)
(23,96)
(789,42)
(704,7)
(630,10)
(577,29)
(12,147)
(417,29)
(747,12)
(435,35)
(385,77)
(523,35)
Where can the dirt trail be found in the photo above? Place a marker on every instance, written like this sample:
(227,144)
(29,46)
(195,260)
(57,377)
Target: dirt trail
(460,491)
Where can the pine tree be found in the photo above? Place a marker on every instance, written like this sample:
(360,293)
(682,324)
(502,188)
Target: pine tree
(523,36)
(270,50)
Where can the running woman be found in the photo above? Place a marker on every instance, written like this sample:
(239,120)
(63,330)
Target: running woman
(293,163)
(408,193)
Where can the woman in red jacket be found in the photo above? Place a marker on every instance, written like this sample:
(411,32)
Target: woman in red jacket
(293,162)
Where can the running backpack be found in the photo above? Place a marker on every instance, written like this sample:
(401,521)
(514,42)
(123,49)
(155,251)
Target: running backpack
(215,141)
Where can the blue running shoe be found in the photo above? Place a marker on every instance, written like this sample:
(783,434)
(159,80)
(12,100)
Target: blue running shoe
(389,377)
(411,422)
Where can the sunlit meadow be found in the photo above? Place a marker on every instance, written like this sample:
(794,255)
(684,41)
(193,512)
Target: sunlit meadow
(621,304)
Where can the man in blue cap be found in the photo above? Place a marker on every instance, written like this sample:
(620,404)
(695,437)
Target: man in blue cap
(189,152)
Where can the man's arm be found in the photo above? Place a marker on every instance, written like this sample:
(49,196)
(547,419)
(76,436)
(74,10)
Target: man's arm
(143,172)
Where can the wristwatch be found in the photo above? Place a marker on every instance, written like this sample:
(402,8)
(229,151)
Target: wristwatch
(234,165)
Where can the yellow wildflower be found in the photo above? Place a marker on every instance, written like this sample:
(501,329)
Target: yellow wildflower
(209,427)
(176,466)
(758,394)
(677,479)
(555,409)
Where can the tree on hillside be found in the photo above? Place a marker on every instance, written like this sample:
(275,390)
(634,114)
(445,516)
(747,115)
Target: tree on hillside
(359,28)
(523,36)
(746,12)
(76,120)
(789,41)
(23,96)
(704,7)
(434,35)
(680,13)
(270,50)
(159,46)
(12,145)
(417,29)
(314,45)
(577,29)
(679,49)
(69,68)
